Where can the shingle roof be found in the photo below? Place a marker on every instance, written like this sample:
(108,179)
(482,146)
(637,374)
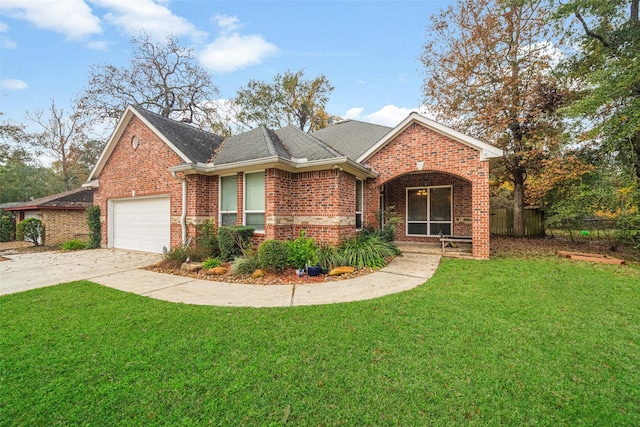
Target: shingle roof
(287,143)
(198,145)
(78,198)
(302,145)
(351,137)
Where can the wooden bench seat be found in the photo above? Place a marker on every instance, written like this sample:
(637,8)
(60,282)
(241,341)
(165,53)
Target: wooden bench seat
(451,239)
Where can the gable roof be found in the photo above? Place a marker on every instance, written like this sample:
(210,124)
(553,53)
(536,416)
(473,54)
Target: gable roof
(196,144)
(487,151)
(352,137)
(79,198)
(191,144)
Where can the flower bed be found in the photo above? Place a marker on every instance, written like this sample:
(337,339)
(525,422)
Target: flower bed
(287,277)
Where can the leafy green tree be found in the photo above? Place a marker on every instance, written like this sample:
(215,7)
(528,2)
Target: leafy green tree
(606,66)
(21,178)
(488,67)
(289,100)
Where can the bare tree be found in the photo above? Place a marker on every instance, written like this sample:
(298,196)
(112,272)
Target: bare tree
(62,139)
(161,77)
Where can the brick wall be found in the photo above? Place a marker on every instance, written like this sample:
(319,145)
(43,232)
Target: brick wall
(145,171)
(456,163)
(62,225)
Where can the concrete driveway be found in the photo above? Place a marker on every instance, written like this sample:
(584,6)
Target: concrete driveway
(23,272)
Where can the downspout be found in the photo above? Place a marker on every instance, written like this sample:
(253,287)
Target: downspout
(183,216)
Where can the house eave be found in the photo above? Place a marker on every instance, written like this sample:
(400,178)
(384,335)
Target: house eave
(487,151)
(295,165)
(91,185)
(117,133)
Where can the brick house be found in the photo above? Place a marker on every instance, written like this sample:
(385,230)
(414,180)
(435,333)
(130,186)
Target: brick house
(157,179)
(61,214)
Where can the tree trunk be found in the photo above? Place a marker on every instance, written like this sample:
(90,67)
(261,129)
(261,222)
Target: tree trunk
(518,204)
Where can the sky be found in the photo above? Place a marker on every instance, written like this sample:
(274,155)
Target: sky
(368,50)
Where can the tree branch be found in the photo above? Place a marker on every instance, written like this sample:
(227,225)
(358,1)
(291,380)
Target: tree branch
(591,33)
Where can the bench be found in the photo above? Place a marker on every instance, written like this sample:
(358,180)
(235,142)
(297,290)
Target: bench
(451,239)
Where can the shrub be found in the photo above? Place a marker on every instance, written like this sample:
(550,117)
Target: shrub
(391,220)
(328,256)
(245,264)
(7,226)
(30,229)
(93,222)
(273,254)
(210,263)
(208,238)
(303,251)
(234,241)
(367,250)
(176,256)
(74,245)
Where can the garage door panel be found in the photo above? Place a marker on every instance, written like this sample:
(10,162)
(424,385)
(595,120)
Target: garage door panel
(142,224)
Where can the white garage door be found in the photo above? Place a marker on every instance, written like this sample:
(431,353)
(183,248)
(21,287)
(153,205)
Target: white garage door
(141,224)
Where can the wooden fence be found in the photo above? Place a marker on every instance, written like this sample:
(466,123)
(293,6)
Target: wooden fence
(501,222)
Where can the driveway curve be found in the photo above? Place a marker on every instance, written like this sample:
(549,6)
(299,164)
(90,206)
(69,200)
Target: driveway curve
(122,270)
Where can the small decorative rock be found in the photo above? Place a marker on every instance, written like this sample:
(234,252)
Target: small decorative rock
(216,271)
(341,270)
(193,266)
(259,273)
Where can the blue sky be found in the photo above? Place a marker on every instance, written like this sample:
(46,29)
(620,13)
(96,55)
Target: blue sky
(369,50)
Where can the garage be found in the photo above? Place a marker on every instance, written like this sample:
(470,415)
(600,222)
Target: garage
(140,224)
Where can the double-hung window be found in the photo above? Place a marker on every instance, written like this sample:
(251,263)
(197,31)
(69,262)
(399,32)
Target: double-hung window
(228,200)
(429,211)
(254,200)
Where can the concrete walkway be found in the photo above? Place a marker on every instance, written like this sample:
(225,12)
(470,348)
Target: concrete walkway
(121,270)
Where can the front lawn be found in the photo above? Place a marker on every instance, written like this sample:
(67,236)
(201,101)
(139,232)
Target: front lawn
(507,341)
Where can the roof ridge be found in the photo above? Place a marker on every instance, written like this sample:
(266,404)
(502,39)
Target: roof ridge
(173,121)
(268,140)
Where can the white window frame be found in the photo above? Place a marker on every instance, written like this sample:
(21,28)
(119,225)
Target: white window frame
(360,183)
(428,221)
(222,212)
(246,211)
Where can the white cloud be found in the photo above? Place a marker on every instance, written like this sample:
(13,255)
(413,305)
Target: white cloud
(13,84)
(354,113)
(73,18)
(228,24)
(6,42)
(232,51)
(148,15)
(98,45)
(389,115)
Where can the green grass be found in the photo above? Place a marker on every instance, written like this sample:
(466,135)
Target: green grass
(506,341)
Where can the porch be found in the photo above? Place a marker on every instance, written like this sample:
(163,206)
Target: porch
(460,250)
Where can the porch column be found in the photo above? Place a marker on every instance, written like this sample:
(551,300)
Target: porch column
(480,215)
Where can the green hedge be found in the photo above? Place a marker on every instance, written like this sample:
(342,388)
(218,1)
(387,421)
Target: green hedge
(7,226)
(273,254)
(30,229)
(93,221)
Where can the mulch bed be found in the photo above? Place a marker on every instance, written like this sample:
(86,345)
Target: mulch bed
(287,277)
